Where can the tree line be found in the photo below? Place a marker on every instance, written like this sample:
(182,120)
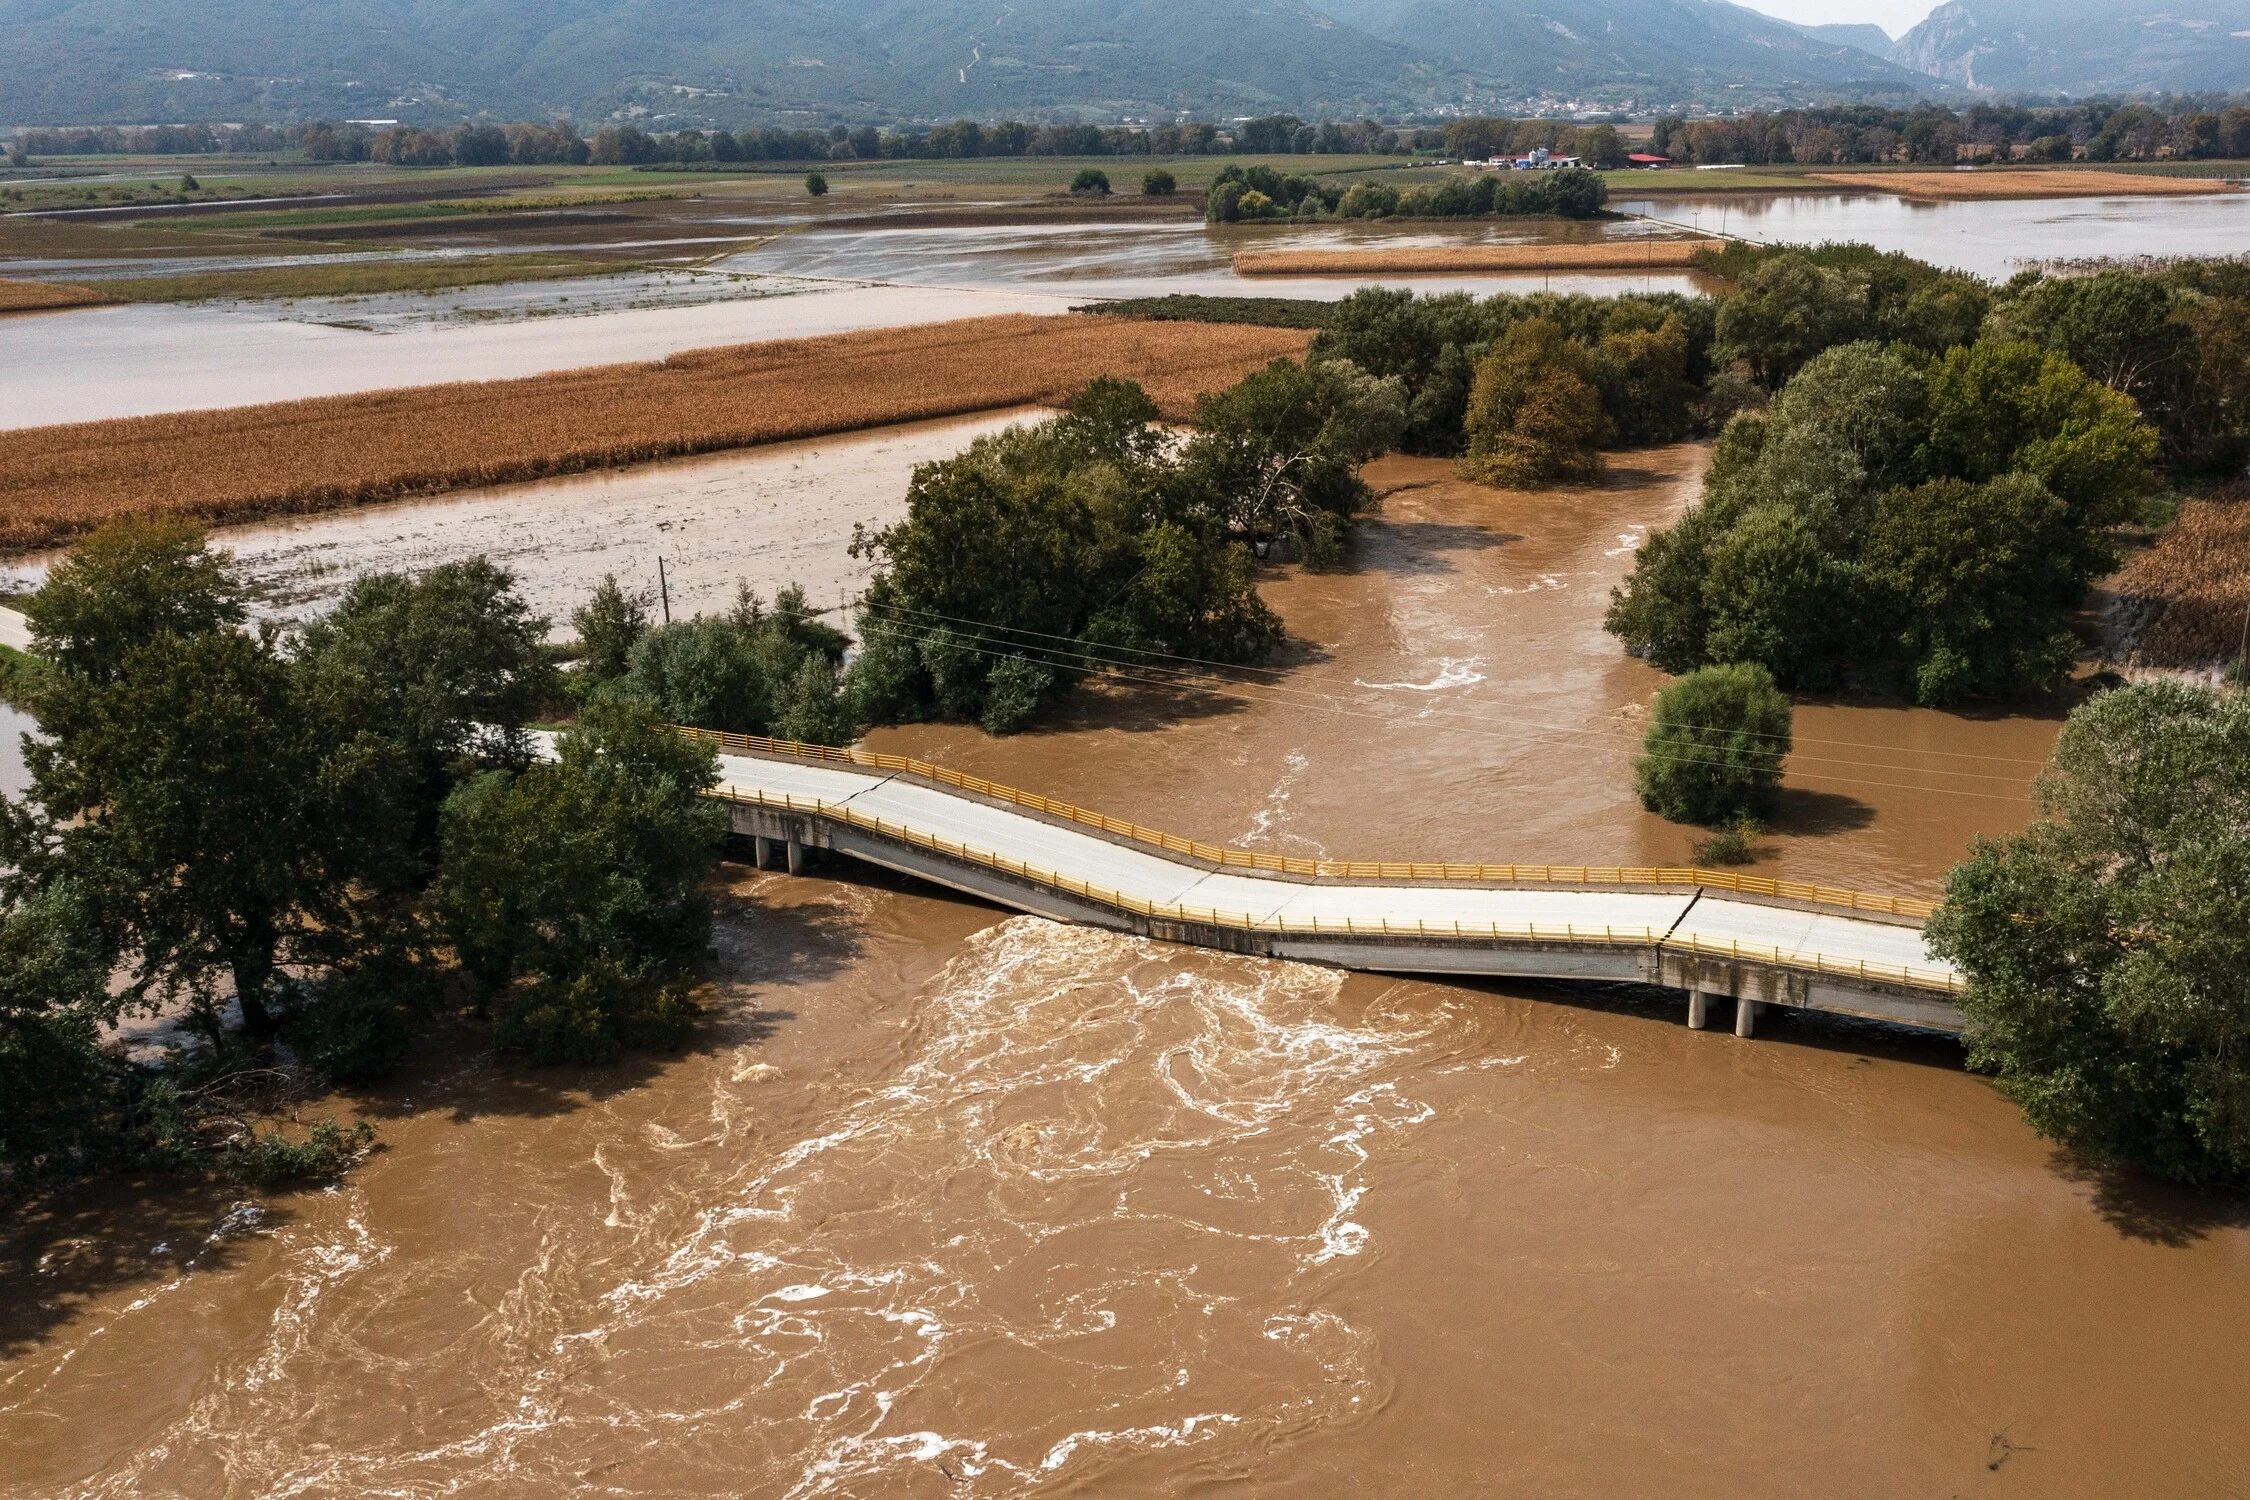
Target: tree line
(1036,558)
(550,143)
(2100,130)
(1256,193)
(154,140)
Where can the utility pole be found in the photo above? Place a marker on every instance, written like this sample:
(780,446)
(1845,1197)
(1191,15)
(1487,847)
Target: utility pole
(2242,662)
(663,590)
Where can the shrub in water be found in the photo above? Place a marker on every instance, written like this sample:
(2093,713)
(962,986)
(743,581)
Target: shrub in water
(1715,748)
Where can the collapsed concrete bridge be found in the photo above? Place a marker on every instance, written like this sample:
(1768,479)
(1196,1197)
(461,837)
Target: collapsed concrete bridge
(1744,939)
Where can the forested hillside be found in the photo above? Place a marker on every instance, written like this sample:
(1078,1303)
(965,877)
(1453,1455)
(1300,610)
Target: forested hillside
(2083,46)
(1645,51)
(72,61)
(669,62)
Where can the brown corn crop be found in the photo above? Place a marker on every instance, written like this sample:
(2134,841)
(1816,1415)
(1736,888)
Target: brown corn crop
(45,296)
(2190,592)
(333,451)
(2063,183)
(1599,255)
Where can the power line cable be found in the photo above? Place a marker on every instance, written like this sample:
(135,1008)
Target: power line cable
(1323,704)
(1086,659)
(1083,647)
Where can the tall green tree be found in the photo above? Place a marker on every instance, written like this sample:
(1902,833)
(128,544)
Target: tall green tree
(124,585)
(1094,539)
(184,794)
(1278,453)
(1973,583)
(1534,416)
(432,674)
(609,624)
(1785,312)
(1714,746)
(2107,947)
(572,889)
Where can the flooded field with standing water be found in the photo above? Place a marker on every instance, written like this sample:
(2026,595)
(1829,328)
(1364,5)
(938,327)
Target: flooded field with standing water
(764,517)
(950,1202)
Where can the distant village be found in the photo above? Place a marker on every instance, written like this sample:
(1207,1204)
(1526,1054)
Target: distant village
(1540,159)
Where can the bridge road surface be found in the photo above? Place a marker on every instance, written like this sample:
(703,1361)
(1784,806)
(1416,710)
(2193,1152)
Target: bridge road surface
(1699,919)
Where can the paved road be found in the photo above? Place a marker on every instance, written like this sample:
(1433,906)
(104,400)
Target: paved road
(1677,915)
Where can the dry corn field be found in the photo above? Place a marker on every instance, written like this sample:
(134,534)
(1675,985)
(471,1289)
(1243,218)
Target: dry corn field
(2192,589)
(1602,255)
(334,451)
(2063,183)
(45,296)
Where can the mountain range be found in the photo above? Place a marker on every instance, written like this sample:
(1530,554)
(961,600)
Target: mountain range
(671,63)
(2082,46)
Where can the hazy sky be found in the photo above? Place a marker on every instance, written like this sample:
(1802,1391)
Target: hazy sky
(1894,16)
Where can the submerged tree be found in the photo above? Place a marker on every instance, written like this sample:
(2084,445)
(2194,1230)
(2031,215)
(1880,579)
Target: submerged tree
(2107,946)
(1096,540)
(1714,748)
(572,889)
(1898,522)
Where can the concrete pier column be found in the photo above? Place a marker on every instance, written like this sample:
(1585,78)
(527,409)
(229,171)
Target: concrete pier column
(1698,1005)
(1745,1016)
(761,854)
(796,856)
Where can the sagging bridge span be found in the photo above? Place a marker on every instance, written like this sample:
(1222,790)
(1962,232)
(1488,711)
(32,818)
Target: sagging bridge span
(1740,939)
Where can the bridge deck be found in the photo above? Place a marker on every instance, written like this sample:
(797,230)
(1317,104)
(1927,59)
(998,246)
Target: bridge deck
(1702,921)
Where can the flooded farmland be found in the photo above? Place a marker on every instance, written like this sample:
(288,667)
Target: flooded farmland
(947,1201)
(750,280)
(763,517)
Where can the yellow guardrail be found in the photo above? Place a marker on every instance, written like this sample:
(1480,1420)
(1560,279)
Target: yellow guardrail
(1331,869)
(1249,922)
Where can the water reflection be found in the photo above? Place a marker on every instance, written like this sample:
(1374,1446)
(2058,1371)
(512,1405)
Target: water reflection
(1144,259)
(1992,239)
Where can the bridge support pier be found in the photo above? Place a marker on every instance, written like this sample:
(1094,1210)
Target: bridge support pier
(1698,1010)
(796,857)
(761,854)
(1745,1017)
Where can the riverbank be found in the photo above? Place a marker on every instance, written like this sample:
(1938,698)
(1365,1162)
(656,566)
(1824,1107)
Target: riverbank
(333,452)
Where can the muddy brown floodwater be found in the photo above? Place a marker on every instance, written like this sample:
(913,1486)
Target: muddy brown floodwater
(950,1202)
(1454,697)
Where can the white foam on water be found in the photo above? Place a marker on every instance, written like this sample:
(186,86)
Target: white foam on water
(1453,672)
(1266,824)
(1112,1180)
